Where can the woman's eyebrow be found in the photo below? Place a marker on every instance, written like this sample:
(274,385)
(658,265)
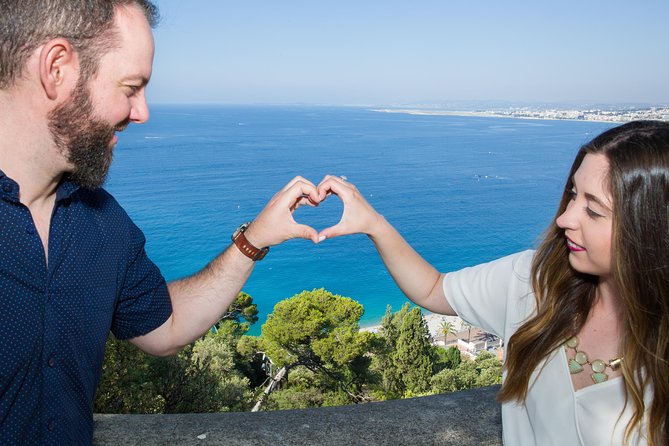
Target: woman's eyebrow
(597,200)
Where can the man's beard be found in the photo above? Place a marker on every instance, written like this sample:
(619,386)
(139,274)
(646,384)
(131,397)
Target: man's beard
(83,139)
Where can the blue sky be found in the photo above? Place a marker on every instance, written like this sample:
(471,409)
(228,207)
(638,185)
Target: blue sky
(397,53)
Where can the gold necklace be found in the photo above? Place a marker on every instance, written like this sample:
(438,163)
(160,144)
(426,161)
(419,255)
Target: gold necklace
(598,366)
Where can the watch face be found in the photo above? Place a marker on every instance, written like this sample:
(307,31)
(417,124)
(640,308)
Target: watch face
(239,230)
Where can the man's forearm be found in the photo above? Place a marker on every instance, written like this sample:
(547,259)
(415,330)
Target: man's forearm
(198,302)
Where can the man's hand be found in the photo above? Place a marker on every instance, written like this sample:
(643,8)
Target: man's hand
(275,223)
(199,301)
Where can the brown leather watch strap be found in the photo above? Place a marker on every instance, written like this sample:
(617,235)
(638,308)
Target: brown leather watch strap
(241,242)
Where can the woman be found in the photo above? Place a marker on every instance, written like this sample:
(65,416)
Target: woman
(585,317)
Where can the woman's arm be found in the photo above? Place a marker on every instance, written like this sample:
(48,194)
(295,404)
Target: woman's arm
(417,279)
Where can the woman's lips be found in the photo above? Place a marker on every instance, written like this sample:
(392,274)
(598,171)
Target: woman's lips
(573,246)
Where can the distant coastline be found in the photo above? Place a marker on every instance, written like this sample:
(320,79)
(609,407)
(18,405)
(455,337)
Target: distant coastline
(596,115)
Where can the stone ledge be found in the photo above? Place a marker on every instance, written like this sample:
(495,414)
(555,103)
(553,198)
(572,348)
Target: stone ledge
(471,417)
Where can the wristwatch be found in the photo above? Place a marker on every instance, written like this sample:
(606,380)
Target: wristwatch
(250,251)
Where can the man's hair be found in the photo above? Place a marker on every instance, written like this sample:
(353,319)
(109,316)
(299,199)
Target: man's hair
(86,24)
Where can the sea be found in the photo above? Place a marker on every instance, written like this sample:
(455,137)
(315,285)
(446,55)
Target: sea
(461,189)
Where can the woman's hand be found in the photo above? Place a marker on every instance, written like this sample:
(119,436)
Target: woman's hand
(358,217)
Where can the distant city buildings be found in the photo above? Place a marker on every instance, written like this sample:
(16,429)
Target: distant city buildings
(613,115)
(653,113)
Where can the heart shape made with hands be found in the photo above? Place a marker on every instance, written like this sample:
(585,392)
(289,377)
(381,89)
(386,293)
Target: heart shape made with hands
(323,215)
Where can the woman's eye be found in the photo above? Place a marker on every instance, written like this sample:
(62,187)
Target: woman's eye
(592,213)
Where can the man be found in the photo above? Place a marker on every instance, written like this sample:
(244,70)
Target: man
(72,264)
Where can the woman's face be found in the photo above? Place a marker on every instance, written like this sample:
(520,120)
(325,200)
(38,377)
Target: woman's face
(588,219)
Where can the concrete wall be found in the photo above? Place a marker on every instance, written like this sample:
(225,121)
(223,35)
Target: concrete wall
(465,418)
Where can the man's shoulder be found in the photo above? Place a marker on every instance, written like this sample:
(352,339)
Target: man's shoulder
(97,198)
(102,205)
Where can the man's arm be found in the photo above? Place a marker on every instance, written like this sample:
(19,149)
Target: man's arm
(199,301)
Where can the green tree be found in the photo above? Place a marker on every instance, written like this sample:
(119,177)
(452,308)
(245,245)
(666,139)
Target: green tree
(251,361)
(454,357)
(489,369)
(204,377)
(305,388)
(445,381)
(242,310)
(390,382)
(320,331)
(447,328)
(126,383)
(485,370)
(413,354)
(469,328)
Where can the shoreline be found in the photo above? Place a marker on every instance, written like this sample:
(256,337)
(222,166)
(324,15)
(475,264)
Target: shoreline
(434,322)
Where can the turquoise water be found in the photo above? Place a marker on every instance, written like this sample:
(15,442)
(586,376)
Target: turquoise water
(462,190)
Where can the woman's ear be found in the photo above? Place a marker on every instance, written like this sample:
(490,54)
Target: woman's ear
(58,67)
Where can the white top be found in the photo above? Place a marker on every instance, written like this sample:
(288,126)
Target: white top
(498,297)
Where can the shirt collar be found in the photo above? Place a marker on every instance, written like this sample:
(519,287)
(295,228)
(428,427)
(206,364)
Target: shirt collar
(65,189)
(9,189)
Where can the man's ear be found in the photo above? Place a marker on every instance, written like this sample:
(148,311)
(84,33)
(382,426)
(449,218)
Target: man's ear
(58,67)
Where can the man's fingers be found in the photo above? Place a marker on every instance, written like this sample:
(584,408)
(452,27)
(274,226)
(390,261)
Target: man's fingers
(298,190)
(304,200)
(297,179)
(333,185)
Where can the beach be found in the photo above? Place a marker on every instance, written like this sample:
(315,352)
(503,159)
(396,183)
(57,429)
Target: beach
(434,324)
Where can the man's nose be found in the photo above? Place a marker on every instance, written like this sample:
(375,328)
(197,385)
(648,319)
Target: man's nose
(140,110)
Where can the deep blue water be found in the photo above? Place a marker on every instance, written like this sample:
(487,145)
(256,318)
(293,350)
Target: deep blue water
(462,190)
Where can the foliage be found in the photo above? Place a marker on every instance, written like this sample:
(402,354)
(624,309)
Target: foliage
(405,358)
(203,377)
(485,370)
(390,383)
(127,384)
(252,363)
(453,357)
(489,369)
(447,328)
(469,328)
(413,353)
(445,358)
(319,331)
(305,389)
(242,311)
(316,336)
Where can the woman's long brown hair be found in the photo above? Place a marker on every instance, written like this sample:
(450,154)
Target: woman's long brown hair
(638,155)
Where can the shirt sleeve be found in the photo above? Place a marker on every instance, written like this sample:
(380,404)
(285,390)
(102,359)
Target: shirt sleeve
(495,296)
(144,302)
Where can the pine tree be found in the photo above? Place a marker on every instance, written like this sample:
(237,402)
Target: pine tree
(413,353)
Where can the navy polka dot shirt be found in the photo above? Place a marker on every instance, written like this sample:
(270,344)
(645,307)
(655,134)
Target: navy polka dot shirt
(55,319)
